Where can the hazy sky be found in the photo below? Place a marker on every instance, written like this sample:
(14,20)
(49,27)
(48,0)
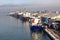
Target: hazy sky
(44,2)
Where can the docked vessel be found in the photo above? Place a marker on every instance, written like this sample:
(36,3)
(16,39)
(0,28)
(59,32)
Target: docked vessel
(14,14)
(23,16)
(35,24)
(27,15)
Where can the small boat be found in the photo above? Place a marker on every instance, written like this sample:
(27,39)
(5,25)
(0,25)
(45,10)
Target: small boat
(35,25)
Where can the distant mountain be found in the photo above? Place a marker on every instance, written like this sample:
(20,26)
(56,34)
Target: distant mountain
(30,7)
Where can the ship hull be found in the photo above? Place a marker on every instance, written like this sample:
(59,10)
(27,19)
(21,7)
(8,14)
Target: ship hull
(36,28)
(20,17)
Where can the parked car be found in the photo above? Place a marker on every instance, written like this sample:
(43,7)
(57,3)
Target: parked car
(55,25)
(45,22)
(51,23)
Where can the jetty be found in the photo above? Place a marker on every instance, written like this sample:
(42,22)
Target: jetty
(52,34)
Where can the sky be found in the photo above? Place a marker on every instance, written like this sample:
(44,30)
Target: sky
(44,2)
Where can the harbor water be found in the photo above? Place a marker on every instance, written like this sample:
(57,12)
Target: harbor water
(15,29)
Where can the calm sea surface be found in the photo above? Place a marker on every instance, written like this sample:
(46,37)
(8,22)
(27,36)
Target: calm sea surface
(15,29)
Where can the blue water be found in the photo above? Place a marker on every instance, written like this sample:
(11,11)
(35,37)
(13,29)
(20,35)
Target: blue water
(15,29)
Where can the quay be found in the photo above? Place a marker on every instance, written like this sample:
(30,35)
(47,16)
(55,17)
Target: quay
(53,34)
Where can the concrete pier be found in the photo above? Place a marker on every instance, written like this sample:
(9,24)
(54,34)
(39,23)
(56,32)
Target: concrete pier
(53,35)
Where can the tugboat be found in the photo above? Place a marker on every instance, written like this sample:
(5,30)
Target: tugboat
(35,25)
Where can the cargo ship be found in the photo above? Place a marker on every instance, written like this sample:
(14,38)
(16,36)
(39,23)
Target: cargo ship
(23,16)
(35,24)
